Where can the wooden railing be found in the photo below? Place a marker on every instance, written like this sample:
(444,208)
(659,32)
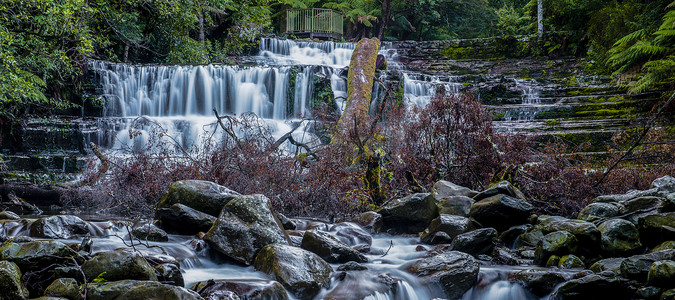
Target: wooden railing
(314,20)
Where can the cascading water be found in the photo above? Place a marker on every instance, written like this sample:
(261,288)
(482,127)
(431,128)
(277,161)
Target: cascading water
(418,89)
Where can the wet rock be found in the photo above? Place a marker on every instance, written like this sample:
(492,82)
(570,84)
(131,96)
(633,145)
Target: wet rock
(501,211)
(455,205)
(410,214)
(570,261)
(360,285)
(352,266)
(69,272)
(637,267)
(65,288)
(509,236)
(586,233)
(118,265)
(529,239)
(369,220)
(10,281)
(150,232)
(204,196)
(539,282)
(241,289)
(455,271)
(662,274)
(657,228)
(438,238)
(632,194)
(503,256)
(475,242)
(448,224)
(443,189)
(182,219)
(619,237)
(330,248)
(552,261)
(302,272)
(39,255)
(600,211)
(648,293)
(668,295)
(245,225)
(58,227)
(352,235)
(644,205)
(608,264)
(8,215)
(592,287)
(169,274)
(665,184)
(503,188)
(134,289)
(555,243)
(667,245)
(286,223)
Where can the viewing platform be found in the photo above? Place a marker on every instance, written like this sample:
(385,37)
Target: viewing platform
(312,23)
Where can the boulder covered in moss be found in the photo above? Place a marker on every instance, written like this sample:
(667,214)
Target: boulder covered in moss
(637,267)
(662,274)
(39,255)
(555,243)
(58,227)
(657,228)
(619,237)
(600,211)
(538,281)
(118,265)
(204,196)
(65,288)
(150,232)
(449,224)
(10,282)
(135,289)
(592,287)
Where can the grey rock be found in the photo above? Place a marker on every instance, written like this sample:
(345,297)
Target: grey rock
(475,242)
(451,225)
(204,196)
(455,271)
(330,248)
(410,214)
(182,219)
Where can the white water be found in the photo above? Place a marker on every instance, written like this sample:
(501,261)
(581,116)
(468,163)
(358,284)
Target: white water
(419,89)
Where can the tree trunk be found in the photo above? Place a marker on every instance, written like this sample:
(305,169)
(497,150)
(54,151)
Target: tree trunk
(360,84)
(126,52)
(540,19)
(386,15)
(201,25)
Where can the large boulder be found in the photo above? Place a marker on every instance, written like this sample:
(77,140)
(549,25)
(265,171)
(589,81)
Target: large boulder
(150,232)
(182,219)
(241,289)
(64,287)
(443,189)
(662,274)
(538,281)
(449,224)
(592,287)
(503,188)
(245,225)
(204,196)
(555,243)
(612,264)
(667,245)
(642,204)
(657,228)
(600,211)
(501,211)
(410,214)
(619,237)
(302,272)
(455,271)
(58,227)
(455,205)
(10,282)
(330,248)
(586,233)
(637,267)
(475,242)
(38,255)
(169,274)
(570,261)
(665,184)
(118,265)
(134,289)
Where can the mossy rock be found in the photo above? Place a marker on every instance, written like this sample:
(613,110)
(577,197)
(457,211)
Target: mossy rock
(38,255)
(657,228)
(10,281)
(134,289)
(662,274)
(501,211)
(619,237)
(64,287)
(555,243)
(570,262)
(118,265)
(204,196)
(667,245)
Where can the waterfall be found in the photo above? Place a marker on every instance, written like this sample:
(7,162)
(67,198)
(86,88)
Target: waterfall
(418,89)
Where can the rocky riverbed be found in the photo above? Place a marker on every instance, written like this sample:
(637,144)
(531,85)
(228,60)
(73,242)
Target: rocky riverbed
(209,242)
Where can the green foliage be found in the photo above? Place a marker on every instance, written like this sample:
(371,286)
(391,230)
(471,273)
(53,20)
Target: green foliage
(512,21)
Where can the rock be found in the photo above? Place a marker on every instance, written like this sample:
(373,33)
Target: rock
(553,261)
(134,289)
(668,295)
(667,245)
(438,238)
(586,233)
(69,272)
(570,262)
(10,282)
(241,289)
(648,293)
(455,205)
(619,237)
(503,256)
(39,255)
(592,287)
(58,227)
(286,223)
(643,204)
(330,248)
(665,184)
(475,242)
(509,236)
(410,214)
(608,264)
(118,265)
(360,285)
(369,220)
(529,239)
(65,288)
(204,196)
(637,267)
(501,211)
(600,211)
(245,225)
(150,232)
(352,266)
(503,188)
(662,274)
(539,282)
(449,224)
(182,219)
(657,228)
(443,189)
(169,274)
(632,194)
(555,243)
(302,272)
(455,271)
(352,235)
(8,215)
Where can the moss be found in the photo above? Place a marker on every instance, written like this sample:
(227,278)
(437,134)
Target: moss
(552,122)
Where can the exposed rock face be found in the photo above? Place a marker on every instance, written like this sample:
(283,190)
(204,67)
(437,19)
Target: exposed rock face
(150,232)
(475,242)
(443,189)
(449,224)
(133,289)
(539,282)
(182,219)
(10,281)
(241,289)
(501,211)
(245,225)
(410,214)
(204,196)
(302,272)
(330,248)
(503,188)
(592,287)
(118,265)
(58,227)
(455,271)
(619,237)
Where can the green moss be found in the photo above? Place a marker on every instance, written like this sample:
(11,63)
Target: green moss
(552,122)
